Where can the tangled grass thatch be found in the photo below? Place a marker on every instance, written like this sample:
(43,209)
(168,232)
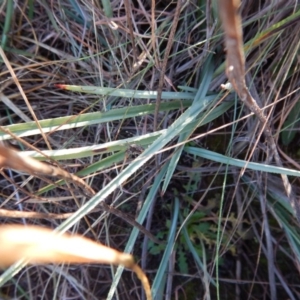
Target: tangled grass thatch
(91,74)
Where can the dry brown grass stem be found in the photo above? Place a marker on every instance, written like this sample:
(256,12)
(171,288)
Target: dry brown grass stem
(235,70)
(11,159)
(163,66)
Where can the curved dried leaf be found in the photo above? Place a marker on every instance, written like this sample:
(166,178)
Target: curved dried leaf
(40,245)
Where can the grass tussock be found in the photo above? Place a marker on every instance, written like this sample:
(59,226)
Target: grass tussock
(128,97)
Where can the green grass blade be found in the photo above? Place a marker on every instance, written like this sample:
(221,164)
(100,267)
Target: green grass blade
(158,280)
(201,92)
(7,23)
(126,93)
(174,160)
(240,163)
(69,122)
(95,167)
(290,125)
(134,233)
(194,253)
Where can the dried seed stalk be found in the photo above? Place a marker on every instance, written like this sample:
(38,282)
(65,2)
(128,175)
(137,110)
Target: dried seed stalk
(11,159)
(235,71)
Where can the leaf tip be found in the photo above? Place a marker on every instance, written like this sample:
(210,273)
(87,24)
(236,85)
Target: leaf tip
(60,86)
